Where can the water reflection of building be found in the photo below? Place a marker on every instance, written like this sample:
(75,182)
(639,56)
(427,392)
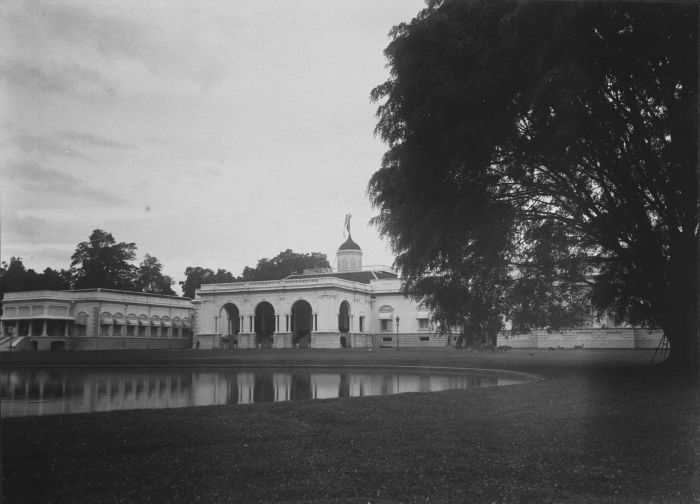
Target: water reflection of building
(364,384)
(282,384)
(57,392)
(325,385)
(246,388)
(210,388)
(43,392)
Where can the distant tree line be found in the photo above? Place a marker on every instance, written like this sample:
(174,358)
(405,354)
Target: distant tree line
(102,262)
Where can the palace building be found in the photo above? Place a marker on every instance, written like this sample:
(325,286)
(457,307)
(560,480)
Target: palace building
(349,306)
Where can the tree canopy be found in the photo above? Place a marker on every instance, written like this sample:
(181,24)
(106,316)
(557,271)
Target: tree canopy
(15,277)
(542,155)
(101,262)
(195,276)
(284,264)
(150,277)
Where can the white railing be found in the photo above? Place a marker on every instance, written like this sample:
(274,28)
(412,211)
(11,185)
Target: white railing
(100,294)
(372,267)
(277,284)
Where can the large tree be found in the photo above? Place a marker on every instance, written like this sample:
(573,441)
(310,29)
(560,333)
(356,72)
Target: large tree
(101,262)
(284,264)
(535,148)
(150,277)
(195,276)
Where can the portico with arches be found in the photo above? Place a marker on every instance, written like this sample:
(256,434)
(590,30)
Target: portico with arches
(330,308)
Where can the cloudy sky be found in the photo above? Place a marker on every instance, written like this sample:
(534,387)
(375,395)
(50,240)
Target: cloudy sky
(209,133)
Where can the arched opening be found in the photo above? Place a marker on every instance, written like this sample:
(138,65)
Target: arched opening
(344,323)
(301,323)
(264,324)
(344,317)
(230,324)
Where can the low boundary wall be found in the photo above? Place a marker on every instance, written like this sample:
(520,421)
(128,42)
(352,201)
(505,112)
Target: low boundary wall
(618,337)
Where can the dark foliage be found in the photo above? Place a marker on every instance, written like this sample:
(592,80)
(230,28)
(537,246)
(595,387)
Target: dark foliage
(101,262)
(196,276)
(14,277)
(150,277)
(284,264)
(542,155)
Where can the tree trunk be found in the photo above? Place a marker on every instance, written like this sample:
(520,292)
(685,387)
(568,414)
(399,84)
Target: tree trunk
(681,329)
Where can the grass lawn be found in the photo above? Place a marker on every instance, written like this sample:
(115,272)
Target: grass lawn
(602,426)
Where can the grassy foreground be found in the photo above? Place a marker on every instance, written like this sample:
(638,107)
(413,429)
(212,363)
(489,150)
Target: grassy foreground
(602,427)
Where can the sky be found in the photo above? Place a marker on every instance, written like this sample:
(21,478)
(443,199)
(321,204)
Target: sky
(209,133)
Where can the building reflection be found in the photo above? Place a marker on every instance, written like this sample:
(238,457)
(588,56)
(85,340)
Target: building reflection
(61,391)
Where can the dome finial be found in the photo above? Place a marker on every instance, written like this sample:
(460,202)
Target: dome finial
(348,216)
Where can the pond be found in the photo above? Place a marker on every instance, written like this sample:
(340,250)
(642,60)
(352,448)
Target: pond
(48,391)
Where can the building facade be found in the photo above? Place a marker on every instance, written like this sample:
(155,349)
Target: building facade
(95,319)
(350,307)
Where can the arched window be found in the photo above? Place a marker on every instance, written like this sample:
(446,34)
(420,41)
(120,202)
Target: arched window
(81,323)
(344,317)
(132,323)
(106,322)
(155,326)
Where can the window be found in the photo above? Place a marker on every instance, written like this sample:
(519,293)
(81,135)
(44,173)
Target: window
(386,315)
(56,327)
(387,338)
(37,327)
(362,324)
(425,338)
(423,324)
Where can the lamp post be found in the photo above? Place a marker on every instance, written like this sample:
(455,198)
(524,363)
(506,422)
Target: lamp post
(397,332)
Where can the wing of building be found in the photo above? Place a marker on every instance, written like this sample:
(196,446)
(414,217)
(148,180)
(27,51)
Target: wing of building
(95,319)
